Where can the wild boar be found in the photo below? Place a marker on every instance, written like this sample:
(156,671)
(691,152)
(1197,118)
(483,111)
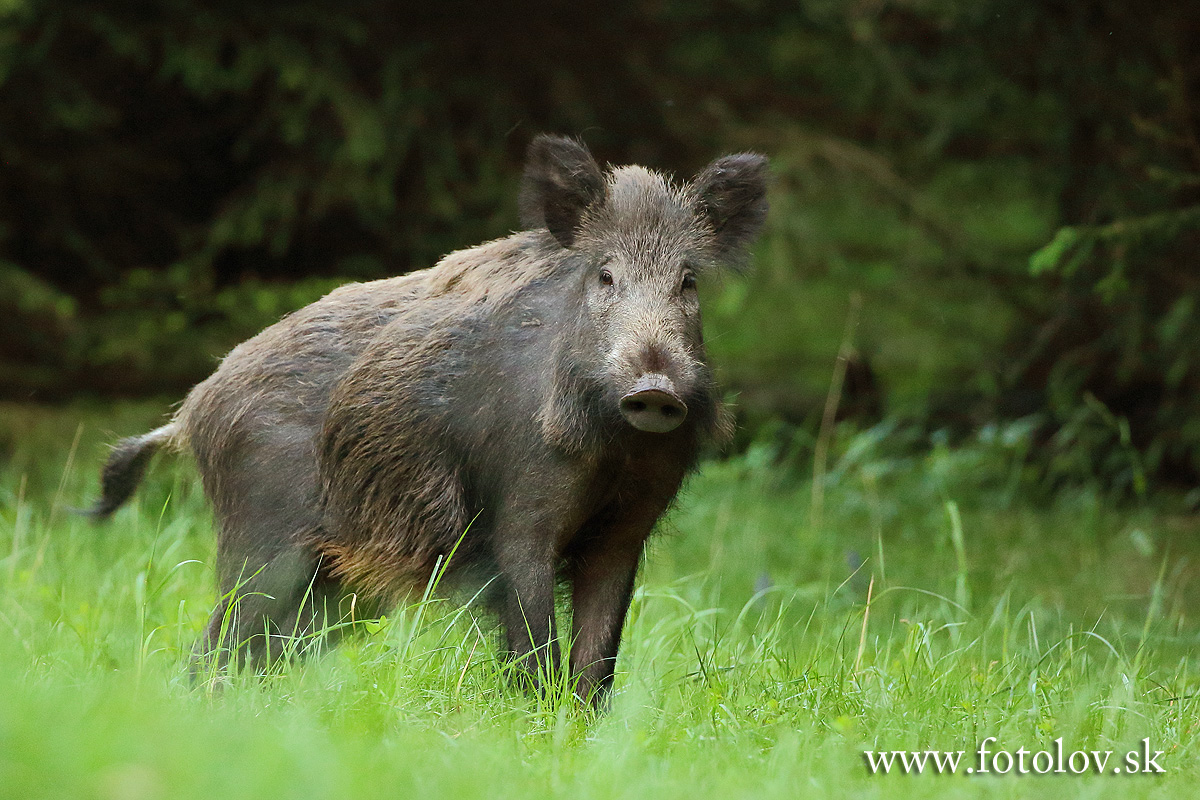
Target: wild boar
(522,413)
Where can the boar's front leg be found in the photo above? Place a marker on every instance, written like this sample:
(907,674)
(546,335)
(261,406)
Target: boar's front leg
(527,573)
(603,585)
(602,572)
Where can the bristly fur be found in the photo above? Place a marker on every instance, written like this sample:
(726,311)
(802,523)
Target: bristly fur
(476,408)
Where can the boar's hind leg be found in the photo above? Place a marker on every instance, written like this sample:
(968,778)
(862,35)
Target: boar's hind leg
(262,481)
(247,625)
(288,607)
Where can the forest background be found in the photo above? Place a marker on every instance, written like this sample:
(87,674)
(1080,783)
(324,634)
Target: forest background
(962,506)
(1001,198)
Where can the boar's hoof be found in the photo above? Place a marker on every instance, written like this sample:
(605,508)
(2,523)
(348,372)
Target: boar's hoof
(653,405)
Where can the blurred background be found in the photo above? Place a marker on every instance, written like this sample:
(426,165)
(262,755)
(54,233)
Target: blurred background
(989,208)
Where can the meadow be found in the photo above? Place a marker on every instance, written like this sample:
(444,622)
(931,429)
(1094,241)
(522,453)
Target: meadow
(930,601)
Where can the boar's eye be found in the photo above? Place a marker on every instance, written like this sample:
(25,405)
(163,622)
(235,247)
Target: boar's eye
(689,281)
(606,278)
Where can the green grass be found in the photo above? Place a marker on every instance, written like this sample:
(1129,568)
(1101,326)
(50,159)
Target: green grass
(752,663)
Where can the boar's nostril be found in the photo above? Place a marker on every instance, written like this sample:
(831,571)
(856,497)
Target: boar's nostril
(653,405)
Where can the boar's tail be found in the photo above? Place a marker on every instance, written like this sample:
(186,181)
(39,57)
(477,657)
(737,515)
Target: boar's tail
(125,468)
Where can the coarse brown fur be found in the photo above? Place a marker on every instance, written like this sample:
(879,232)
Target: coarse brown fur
(479,407)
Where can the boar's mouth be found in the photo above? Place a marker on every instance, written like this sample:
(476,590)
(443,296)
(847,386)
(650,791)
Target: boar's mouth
(653,405)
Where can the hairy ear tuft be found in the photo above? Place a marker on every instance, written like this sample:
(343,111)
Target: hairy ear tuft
(730,194)
(561,182)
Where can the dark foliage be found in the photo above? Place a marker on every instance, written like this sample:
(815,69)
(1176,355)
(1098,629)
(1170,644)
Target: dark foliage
(174,179)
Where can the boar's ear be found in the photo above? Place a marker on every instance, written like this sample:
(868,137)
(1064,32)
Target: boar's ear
(561,182)
(731,196)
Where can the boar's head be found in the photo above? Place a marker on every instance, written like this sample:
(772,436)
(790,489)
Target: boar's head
(640,244)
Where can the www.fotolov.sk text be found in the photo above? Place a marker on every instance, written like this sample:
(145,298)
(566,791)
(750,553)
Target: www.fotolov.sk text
(990,761)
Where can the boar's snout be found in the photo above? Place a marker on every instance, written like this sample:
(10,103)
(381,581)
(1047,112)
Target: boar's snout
(653,405)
